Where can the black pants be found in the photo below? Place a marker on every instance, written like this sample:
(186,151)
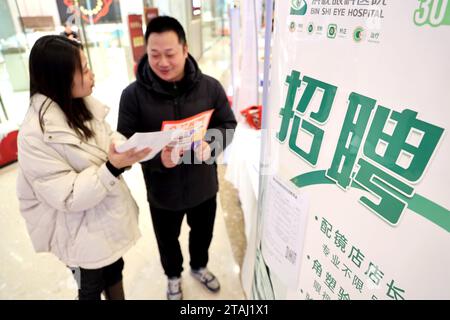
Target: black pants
(167,226)
(91,282)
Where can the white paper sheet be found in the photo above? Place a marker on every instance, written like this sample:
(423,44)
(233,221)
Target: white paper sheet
(153,140)
(284,228)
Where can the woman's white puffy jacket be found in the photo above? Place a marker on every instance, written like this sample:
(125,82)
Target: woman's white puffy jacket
(73,206)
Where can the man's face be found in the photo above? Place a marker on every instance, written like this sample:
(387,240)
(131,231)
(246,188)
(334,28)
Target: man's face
(166,55)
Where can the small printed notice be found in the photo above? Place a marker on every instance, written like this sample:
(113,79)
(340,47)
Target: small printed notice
(284,227)
(153,140)
(193,129)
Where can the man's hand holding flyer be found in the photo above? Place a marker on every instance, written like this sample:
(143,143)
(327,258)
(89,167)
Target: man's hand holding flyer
(194,129)
(179,136)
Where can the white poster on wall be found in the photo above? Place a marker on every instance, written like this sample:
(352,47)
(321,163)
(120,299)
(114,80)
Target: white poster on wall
(358,117)
(283,228)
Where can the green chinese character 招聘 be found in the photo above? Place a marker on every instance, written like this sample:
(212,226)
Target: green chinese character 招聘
(306,124)
(350,138)
(379,181)
(329,93)
(406,124)
(315,132)
(287,113)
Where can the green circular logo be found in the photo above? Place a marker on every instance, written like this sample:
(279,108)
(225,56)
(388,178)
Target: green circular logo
(292,26)
(358,34)
(296,4)
(298,7)
(332,31)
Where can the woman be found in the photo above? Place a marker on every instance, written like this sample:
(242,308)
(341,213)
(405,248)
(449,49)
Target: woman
(71,193)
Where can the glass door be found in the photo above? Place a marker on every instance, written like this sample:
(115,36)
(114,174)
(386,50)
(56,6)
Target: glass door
(103,31)
(14,79)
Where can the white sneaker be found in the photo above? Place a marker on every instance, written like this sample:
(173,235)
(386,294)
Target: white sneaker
(206,278)
(174,291)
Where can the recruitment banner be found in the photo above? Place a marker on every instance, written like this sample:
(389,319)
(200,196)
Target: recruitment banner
(356,200)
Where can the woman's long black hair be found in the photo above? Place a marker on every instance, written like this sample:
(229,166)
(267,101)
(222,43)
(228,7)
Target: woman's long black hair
(53,63)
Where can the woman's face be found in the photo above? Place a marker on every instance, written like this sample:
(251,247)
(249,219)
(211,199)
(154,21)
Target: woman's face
(83,81)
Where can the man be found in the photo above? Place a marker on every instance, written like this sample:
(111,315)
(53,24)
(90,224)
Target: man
(170,86)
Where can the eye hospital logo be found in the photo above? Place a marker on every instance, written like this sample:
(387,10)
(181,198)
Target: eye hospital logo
(332,30)
(358,34)
(435,13)
(292,26)
(298,7)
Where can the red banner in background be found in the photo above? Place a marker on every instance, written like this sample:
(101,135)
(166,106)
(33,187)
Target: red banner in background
(150,13)
(136,36)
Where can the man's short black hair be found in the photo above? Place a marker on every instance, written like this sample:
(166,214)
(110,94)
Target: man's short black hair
(165,23)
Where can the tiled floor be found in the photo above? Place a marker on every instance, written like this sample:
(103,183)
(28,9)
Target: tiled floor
(27,275)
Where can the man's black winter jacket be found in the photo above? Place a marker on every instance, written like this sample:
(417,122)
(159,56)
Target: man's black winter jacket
(149,101)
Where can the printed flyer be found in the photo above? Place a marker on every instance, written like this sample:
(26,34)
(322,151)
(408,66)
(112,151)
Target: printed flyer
(193,129)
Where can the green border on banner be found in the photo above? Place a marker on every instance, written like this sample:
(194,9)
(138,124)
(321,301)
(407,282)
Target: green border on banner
(418,204)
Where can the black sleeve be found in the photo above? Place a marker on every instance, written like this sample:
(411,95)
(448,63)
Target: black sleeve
(221,128)
(128,123)
(114,171)
(128,120)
